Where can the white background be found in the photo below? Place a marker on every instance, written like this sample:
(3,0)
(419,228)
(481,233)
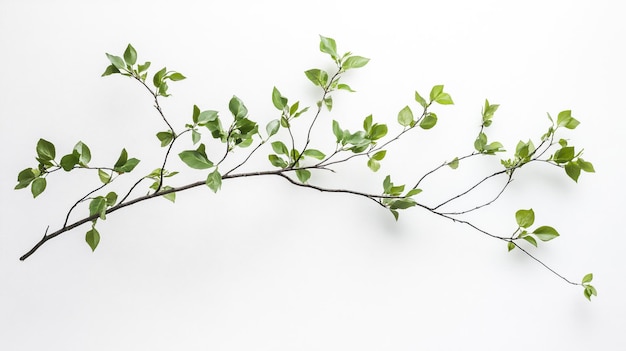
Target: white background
(266,266)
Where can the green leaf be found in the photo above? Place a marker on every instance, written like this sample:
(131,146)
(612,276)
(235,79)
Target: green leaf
(525,218)
(454,164)
(196,159)
(420,100)
(104,176)
(165,137)
(587,278)
(328,46)
(586,166)
(573,170)
(92,238)
(378,131)
(367,123)
(98,206)
(130,55)
(590,291)
(128,166)
(272,127)
(111,69)
(277,161)
(237,108)
(314,153)
(387,184)
(169,196)
(195,137)
(38,186)
(546,233)
(68,162)
(380,155)
(402,204)
(373,164)
(278,100)
(413,192)
(45,150)
(303,175)
(328,102)
(317,76)
(428,121)
(531,240)
(280,148)
(444,99)
(117,61)
(157,80)
(564,155)
(510,246)
(175,77)
(566,120)
(83,152)
(24,178)
(206,116)
(354,62)
(435,92)
(144,67)
(337,131)
(214,181)
(122,159)
(111,198)
(405,116)
(345,87)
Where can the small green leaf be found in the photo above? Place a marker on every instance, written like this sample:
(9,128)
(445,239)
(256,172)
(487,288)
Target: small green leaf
(45,150)
(510,246)
(122,159)
(128,166)
(337,131)
(454,164)
(272,127)
(354,62)
(564,155)
(24,178)
(380,155)
(328,46)
(83,152)
(405,116)
(98,206)
(378,131)
(413,192)
(587,278)
(367,123)
(207,116)
(317,76)
(277,161)
(345,87)
(68,162)
(111,198)
(373,165)
(444,99)
(214,181)
(429,121)
(280,148)
(169,196)
(566,120)
(157,80)
(525,218)
(165,137)
(196,159)
(402,204)
(104,176)
(175,77)
(38,186)
(111,69)
(195,137)
(278,100)
(435,92)
(590,291)
(573,170)
(314,153)
(303,175)
(237,108)
(130,55)
(144,67)
(546,233)
(531,240)
(117,61)
(92,238)
(420,100)
(586,166)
